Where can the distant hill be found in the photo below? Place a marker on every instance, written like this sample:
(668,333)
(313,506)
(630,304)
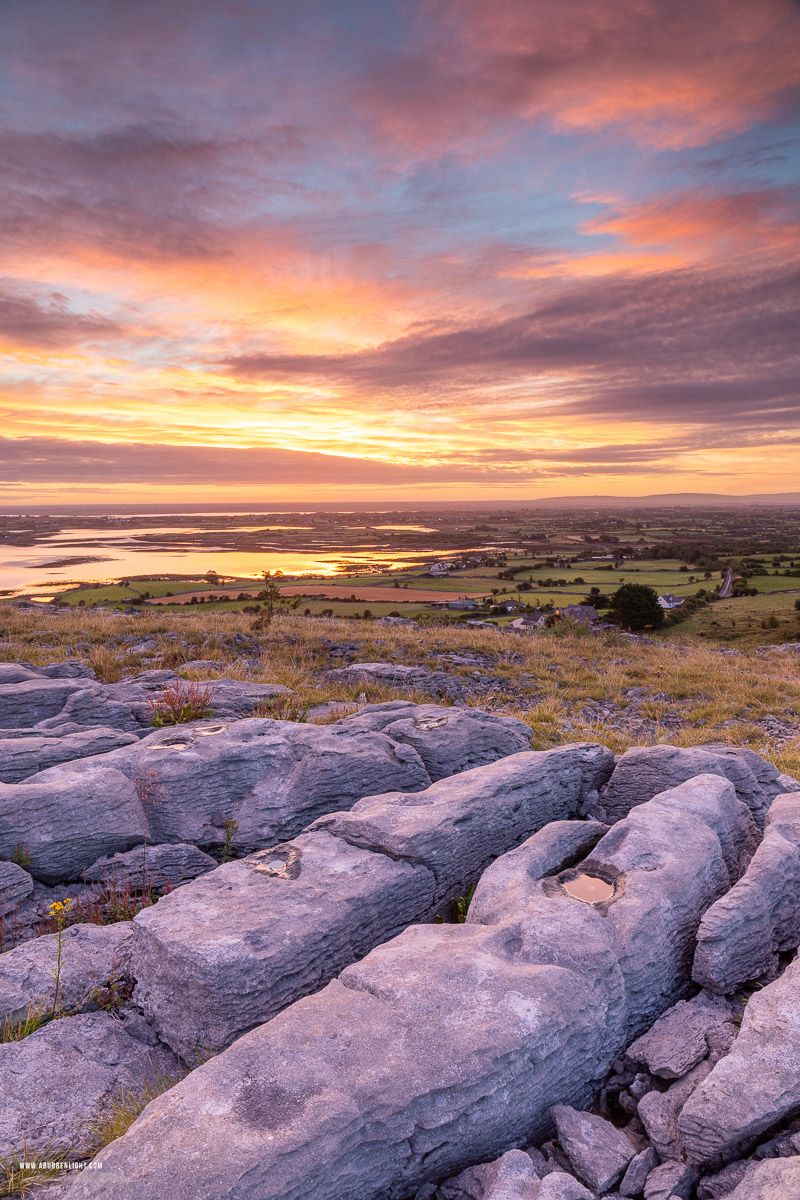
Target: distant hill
(667,500)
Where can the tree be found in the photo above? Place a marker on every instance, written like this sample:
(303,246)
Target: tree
(635,606)
(271,598)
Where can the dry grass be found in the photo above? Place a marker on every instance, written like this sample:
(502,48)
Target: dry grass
(18,1181)
(543,677)
(14,1029)
(117,1116)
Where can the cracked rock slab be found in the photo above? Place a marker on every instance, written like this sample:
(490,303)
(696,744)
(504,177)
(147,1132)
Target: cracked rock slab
(756,1085)
(66,821)
(777,1179)
(91,955)
(153,867)
(16,885)
(679,1039)
(25,756)
(644,771)
(62,1075)
(230,950)
(599,1152)
(474,816)
(448,740)
(741,936)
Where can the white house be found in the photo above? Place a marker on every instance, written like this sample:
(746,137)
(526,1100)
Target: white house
(669,601)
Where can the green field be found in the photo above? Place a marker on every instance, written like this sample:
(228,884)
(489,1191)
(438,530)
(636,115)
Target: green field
(746,620)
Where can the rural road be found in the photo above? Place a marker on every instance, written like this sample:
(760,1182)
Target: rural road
(727,584)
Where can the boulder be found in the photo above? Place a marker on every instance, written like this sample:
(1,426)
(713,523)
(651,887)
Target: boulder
(448,740)
(152,866)
(91,954)
(336,899)
(26,702)
(227,952)
(470,818)
(742,935)
(510,1177)
(644,771)
(272,777)
(65,1073)
(652,852)
(659,1112)
(683,1036)
(559,1186)
(639,1168)
(419,1061)
(16,885)
(21,757)
(756,1085)
(599,1153)
(777,1179)
(66,820)
(671,1181)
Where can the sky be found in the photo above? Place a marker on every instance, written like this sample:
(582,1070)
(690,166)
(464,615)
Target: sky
(398,249)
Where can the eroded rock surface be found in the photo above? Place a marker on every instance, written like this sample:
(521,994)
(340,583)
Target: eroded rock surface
(21,757)
(16,885)
(211,967)
(448,1045)
(742,935)
(57,1079)
(756,1085)
(91,955)
(644,771)
(152,866)
(598,1152)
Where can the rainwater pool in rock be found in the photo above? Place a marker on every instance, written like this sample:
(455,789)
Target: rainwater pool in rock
(588,888)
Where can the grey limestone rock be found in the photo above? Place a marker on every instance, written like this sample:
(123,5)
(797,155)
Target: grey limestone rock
(599,1153)
(338,897)
(639,1168)
(473,817)
(448,1045)
(644,771)
(756,1085)
(435,1031)
(659,1111)
(16,885)
(679,1039)
(230,950)
(272,777)
(742,935)
(652,852)
(722,1183)
(26,702)
(560,1186)
(510,1177)
(448,740)
(59,1077)
(671,1181)
(67,820)
(776,1179)
(91,955)
(153,866)
(559,845)
(21,757)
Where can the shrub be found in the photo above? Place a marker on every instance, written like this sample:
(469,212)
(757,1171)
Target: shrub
(181,702)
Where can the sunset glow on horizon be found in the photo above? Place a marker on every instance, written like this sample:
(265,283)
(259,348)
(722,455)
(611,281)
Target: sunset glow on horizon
(423,249)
